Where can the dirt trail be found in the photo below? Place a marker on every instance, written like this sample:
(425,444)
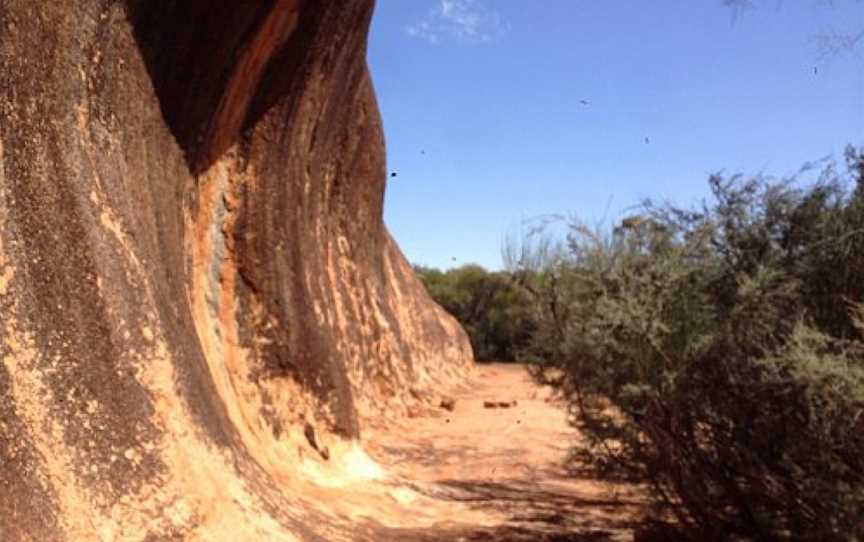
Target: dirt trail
(478,473)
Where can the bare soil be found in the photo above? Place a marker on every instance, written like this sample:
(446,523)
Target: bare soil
(479,472)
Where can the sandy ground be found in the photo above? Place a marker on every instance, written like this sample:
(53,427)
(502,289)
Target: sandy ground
(478,473)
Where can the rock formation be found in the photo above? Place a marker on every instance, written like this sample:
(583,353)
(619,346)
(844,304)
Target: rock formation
(193,266)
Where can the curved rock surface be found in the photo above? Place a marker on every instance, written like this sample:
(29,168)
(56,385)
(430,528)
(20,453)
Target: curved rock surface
(199,301)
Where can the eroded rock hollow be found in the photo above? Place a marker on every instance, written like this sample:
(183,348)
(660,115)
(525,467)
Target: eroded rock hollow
(194,271)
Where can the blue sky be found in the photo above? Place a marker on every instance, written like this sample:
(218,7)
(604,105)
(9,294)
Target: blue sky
(485,124)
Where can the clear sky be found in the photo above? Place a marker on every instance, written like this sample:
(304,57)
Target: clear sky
(483,109)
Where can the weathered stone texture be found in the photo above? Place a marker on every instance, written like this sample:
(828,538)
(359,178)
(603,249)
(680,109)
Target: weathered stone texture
(193,265)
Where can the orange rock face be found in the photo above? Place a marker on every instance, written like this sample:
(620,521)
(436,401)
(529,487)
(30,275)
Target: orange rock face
(194,268)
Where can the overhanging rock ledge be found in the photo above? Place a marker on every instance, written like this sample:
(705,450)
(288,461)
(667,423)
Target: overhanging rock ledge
(194,267)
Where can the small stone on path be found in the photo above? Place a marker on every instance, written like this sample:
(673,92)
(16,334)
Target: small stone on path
(448,403)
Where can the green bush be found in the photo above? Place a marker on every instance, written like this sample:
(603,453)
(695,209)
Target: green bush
(494,312)
(717,354)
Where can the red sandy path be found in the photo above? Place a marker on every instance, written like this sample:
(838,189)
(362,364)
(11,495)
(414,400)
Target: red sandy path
(505,464)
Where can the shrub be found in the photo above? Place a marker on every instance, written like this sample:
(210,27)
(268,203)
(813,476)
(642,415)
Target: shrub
(717,354)
(493,311)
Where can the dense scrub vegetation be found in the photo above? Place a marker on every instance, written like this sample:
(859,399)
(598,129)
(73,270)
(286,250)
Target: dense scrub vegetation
(490,306)
(715,353)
